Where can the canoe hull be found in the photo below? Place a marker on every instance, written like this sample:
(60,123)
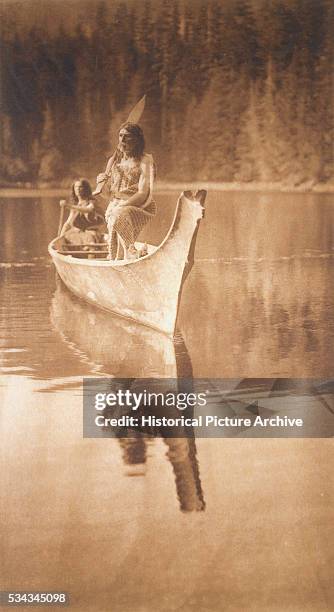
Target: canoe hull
(146,290)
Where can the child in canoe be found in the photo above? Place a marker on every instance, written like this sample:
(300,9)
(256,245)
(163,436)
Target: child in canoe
(83,213)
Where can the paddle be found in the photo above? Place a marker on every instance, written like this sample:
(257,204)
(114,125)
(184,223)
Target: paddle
(133,117)
(62,205)
(137,111)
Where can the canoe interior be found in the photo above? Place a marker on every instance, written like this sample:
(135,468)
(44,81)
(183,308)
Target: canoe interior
(97,251)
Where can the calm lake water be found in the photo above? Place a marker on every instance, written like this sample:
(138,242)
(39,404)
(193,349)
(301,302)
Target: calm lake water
(258,303)
(102,518)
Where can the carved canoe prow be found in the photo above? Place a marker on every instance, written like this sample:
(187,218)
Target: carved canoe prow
(147,290)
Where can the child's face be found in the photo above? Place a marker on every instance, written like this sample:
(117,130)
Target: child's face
(77,188)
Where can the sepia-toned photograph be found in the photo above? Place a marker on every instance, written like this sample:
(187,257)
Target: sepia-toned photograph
(167,305)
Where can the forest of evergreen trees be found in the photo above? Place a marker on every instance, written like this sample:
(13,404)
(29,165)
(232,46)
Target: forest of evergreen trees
(237,90)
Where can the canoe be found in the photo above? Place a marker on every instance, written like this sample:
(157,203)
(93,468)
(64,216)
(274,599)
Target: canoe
(146,290)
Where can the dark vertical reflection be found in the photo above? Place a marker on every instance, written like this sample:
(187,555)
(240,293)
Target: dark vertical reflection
(182,454)
(134,453)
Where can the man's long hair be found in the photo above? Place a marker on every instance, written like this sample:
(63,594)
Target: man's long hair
(139,141)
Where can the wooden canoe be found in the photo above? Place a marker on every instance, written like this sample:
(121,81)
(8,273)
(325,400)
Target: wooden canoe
(146,290)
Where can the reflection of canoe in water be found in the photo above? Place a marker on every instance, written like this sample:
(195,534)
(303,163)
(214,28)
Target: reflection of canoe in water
(127,350)
(112,344)
(148,289)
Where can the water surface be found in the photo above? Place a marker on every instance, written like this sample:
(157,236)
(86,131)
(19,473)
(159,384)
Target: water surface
(146,525)
(259,301)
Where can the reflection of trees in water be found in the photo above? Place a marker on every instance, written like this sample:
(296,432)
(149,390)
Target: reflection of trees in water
(266,318)
(27,226)
(265,225)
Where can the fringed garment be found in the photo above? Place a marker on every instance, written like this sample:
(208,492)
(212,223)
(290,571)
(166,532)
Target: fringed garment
(126,222)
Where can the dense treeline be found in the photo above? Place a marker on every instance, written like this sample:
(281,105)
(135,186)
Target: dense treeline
(236,90)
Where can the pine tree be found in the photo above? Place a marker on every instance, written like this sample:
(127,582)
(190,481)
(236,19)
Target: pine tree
(273,135)
(209,135)
(323,95)
(215,37)
(250,164)
(51,166)
(84,147)
(12,167)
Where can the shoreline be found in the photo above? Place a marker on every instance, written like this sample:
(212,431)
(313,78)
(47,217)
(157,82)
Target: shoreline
(166,187)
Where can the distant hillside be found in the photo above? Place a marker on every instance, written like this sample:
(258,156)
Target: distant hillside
(237,90)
